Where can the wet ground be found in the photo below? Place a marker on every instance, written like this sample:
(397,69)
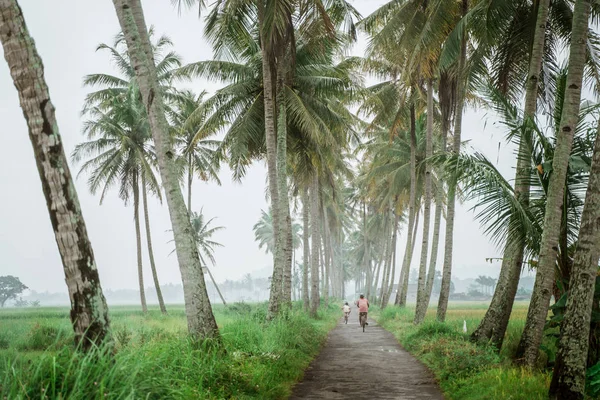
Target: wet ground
(369,365)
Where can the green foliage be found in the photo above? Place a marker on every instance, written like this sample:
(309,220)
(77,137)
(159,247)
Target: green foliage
(155,359)
(593,381)
(466,371)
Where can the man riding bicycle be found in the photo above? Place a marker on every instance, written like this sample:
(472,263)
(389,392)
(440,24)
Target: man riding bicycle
(363,307)
(346,310)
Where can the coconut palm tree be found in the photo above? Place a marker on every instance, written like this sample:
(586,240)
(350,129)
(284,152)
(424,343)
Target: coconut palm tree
(200,318)
(203,233)
(89,312)
(120,154)
(195,148)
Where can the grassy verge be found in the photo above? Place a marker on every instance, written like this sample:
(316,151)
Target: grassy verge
(464,370)
(155,360)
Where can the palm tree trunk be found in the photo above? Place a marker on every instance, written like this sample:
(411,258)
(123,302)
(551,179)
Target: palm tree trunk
(388,257)
(200,318)
(138,241)
(190,181)
(306,248)
(289,256)
(436,240)
(394,249)
(422,297)
(269,91)
(89,312)
(159,295)
(403,293)
(216,286)
(387,237)
(451,202)
(569,377)
(544,280)
(493,325)
(315,245)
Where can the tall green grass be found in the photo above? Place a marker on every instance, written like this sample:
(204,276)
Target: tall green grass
(154,359)
(464,370)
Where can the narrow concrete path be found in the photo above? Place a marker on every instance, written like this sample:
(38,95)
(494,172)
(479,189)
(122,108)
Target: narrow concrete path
(369,365)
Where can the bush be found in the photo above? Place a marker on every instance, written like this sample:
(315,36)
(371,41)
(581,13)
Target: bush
(43,337)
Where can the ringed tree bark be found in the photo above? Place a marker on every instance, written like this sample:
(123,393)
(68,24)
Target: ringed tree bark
(531,339)
(89,312)
(568,379)
(493,325)
(200,318)
(451,202)
(422,297)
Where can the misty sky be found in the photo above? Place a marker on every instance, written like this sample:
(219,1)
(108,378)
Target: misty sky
(66,34)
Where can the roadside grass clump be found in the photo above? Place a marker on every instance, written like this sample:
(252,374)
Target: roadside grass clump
(152,357)
(466,371)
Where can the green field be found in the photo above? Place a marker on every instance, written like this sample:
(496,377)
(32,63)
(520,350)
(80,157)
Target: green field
(464,370)
(154,359)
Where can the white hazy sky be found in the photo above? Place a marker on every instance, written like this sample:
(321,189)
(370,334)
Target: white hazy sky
(66,34)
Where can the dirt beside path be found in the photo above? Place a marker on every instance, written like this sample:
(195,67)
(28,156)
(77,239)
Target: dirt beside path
(370,365)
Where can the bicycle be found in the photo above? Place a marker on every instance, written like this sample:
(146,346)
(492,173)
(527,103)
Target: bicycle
(363,320)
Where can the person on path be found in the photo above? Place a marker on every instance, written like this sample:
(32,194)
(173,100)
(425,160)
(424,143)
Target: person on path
(346,310)
(363,308)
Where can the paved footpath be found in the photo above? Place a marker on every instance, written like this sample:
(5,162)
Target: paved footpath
(369,365)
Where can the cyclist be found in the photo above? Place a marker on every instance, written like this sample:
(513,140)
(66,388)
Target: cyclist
(363,307)
(346,310)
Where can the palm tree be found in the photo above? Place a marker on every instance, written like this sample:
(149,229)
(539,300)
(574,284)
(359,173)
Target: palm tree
(203,233)
(544,282)
(120,155)
(263,233)
(201,321)
(197,152)
(89,312)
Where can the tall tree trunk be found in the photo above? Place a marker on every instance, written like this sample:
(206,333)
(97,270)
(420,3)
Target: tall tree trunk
(306,248)
(314,267)
(568,380)
(216,286)
(451,200)
(390,286)
(387,236)
(190,181)
(395,253)
(161,302)
(200,318)
(544,279)
(289,258)
(269,91)
(326,257)
(493,325)
(422,297)
(89,312)
(436,240)
(138,241)
(412,210)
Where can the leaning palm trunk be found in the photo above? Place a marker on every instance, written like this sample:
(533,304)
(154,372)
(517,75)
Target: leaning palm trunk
(161,302)
(200,318)
(89,313)
(544,280)
(306,248)
(138,241)
(314,265)
(568,380)
(494,324)
(216,286)
(403,293)
(386,249)
(388,293)
(451,202)
(388,259)
(422,297)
